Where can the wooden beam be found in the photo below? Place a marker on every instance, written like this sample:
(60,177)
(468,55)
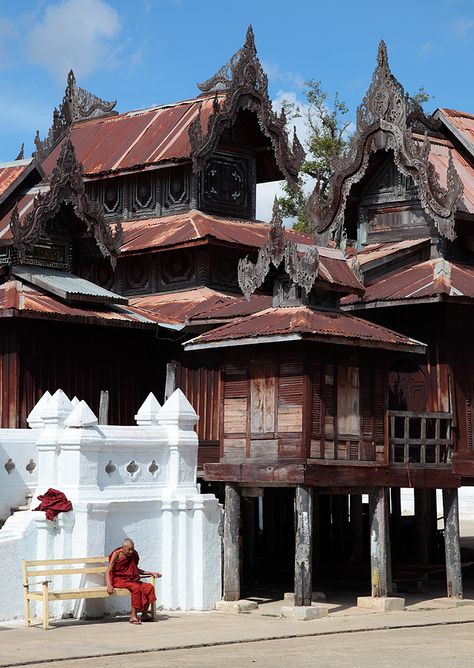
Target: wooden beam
(170,383)
(304,546)
(380,562)
(231,543)
(451,543)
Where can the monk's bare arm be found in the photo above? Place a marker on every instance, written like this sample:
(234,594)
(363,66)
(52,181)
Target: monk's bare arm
(154,573)
(110,589)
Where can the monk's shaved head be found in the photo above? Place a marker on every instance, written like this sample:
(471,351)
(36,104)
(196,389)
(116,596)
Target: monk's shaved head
(128,541)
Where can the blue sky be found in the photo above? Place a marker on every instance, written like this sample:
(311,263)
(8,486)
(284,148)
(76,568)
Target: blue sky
(146,52)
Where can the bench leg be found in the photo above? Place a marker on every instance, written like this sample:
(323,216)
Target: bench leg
(26,606)
(45,607)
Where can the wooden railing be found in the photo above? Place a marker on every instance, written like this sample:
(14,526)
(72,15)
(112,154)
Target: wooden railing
(420,438)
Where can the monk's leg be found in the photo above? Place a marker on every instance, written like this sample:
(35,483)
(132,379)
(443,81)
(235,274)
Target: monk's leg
(136,596)
(148,597)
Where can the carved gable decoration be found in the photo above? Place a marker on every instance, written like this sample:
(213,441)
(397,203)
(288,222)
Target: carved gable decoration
(66,187)
(301,268)
(385,121)
(77,104)
(245,86)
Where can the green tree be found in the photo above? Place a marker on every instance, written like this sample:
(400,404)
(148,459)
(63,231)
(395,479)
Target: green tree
(329,133)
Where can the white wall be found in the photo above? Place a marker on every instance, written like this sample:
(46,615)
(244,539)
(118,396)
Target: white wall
(135,481)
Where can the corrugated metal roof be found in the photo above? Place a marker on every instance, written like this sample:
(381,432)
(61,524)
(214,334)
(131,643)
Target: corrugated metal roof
(13,173)
(136,138)
(427,279)
(67,286)
(387,250)
(461,125)
(30,301)
(198,304)
(303,322)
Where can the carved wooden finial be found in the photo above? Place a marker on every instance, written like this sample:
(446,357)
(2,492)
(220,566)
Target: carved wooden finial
(242,83)
(77,103)
(301,268)
(21,154)
(385,120)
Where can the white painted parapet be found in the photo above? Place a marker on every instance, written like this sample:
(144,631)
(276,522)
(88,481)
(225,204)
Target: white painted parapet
(128,481)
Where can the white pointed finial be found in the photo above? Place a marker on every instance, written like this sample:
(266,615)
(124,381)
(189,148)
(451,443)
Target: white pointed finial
(147,414)
(75,401)
(178,410)
(81,416)
(57,409)
(34,419)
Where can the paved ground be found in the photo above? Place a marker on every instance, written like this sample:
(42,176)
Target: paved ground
(443,636)
(378,649)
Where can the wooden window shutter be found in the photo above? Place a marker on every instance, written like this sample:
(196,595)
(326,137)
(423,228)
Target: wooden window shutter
(290,382)
(379,405)
(366,401)
(235,381)
(316,404)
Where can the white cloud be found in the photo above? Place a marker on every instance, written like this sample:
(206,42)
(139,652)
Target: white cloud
(462,28)
(426,49)
(75,34)
(276,73)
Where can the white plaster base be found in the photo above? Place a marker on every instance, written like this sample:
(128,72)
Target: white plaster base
(236,607)
(381,603)
(317,597)
(302,612)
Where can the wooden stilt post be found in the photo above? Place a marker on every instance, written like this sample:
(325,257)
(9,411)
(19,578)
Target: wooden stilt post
(380,562)
(356,527)
(423,524)
(104,407)
(304,545)
(170,382)
(451,543)
(231,543)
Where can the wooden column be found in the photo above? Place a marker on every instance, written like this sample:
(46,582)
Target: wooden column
(380,562)
(304,545)
(357,527)
(423,524)
(231,543)
(451,543)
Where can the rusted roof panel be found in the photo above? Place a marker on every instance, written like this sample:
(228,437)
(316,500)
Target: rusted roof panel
(373,252)
(427,279)
(198,304)
(27,300)
(301,320)
(461,125)
(13,173)
(134,139)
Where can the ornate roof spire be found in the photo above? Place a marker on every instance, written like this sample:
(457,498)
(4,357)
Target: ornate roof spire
(76,104)
(385,121)
(242,84)
(21,154)
(66,187)
(301,268)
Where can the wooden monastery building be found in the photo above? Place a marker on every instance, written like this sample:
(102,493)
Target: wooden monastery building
(131,261)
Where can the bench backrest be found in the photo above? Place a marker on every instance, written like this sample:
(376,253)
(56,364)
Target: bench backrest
(38,567)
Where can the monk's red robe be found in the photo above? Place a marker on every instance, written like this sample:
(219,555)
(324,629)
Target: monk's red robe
(125,574)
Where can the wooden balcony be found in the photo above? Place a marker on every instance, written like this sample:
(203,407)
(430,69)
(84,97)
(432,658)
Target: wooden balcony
(420,438)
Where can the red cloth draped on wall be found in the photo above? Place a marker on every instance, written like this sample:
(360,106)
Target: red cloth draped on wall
(53,502)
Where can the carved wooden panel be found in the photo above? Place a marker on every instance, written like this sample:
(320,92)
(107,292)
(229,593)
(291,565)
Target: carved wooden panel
(136,274)
(176,188)
(227,185)
(144,199)
(177,267)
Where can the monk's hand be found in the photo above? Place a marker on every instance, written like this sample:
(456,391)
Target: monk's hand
(110,590)
(156,575)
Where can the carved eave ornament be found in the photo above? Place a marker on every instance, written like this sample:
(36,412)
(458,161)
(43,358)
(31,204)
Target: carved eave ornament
(242,84)
(386,120)
(302,268)
(77,104)
(66,187)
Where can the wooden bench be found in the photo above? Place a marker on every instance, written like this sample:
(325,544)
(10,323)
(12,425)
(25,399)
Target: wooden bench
(35,569)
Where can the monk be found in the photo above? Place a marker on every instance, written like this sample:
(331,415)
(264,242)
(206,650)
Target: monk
(123,571)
